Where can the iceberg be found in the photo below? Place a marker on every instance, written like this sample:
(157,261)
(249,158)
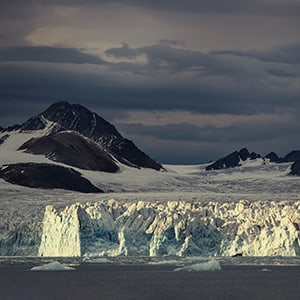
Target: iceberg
(209,266)
(53,266)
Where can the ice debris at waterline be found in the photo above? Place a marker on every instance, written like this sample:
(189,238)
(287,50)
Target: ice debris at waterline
(144,228)
(209,266)
(53,266)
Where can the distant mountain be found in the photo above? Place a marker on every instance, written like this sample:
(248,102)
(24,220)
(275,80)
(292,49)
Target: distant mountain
(273,157)
(72,135)
(295,168)
(292,156)
(236,158)
(233,160)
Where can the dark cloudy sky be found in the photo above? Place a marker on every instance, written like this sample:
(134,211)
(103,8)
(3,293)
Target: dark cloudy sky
(188,81)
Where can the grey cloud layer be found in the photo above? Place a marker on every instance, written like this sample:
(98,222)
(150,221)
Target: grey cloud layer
(171,78)
(48,54)
(165,64)
(289,54)
(238,133)
(264,7)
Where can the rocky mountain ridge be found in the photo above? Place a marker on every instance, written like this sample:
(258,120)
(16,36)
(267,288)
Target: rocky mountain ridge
(76,118)
(236,159)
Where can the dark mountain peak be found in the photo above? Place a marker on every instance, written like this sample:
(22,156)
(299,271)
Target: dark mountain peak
(292,156)
(295,168)
(254,155)
(273,157)
(56,110)
(244,154)
(233,159)
(77,118)
(34,123)
(230,161)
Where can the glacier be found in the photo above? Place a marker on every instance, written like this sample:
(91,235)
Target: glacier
(179,228)
(205,217)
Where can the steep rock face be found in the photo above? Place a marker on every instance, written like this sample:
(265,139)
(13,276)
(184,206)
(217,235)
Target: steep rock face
(295,168)
(68,117)
(110,228)
(72,149)
(3,138)
(232,160)
(46,176)
(273,157)
(292,156)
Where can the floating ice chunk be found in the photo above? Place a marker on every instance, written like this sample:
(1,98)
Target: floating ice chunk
(53,266)
(266,270)
(164,262)
(96,260)
(212,265)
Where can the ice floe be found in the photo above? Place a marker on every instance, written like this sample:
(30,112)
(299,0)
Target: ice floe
(52,266)
(209,266)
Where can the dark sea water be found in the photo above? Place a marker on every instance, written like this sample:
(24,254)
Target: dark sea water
(113,281)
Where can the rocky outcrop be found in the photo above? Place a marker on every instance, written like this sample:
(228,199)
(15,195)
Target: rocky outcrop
(295,168)
(232,160)
(236,158)
(110,228)
(292,156)
(273,157)
(72,149)
(46,176)
(3,138)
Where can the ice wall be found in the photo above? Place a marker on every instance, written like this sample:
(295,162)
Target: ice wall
(20,239)
(111,228)
(61,232)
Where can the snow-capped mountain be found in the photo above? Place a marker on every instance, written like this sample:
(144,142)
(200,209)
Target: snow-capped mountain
(76,118)
(237,159)
(71,136)
(233,159)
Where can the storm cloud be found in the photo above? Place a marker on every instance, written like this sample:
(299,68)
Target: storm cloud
(182,79)
(48,54)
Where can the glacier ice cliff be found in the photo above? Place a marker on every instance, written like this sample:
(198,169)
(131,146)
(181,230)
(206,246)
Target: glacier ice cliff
(20,239)
(144,228)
